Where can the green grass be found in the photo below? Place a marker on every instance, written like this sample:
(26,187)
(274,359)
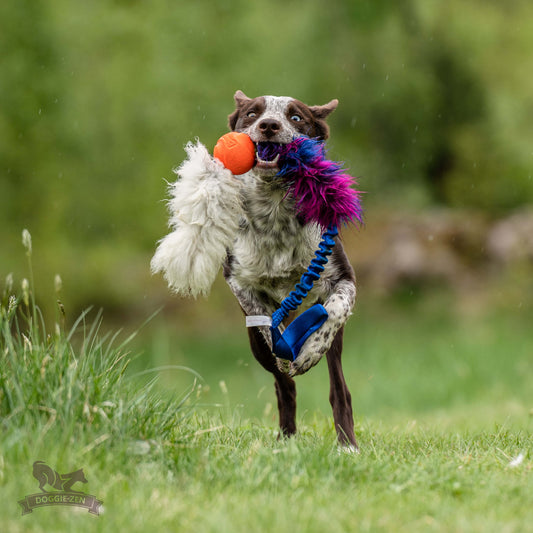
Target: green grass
(443,417)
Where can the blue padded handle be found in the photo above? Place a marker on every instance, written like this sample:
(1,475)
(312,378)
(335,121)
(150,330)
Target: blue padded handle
(289,344)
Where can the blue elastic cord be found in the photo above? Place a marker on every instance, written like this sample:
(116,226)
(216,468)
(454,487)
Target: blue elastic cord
(288,344)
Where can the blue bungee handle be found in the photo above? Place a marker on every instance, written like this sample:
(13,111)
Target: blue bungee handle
(287,345)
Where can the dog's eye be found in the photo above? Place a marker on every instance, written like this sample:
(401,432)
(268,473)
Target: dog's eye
(296,118)
(251,114)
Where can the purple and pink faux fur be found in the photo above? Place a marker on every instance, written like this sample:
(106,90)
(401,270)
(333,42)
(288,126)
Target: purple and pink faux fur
(321,188)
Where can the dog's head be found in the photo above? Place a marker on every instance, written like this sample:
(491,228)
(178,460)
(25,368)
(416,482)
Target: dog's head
(278,119)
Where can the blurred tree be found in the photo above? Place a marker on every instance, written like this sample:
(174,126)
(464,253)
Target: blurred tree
(98,98)
(31,129)
(458,99)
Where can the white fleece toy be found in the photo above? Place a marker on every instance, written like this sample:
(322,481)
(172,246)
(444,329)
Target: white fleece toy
(203,226)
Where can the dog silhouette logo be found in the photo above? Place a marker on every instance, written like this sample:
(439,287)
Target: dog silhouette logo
(63,494)
(46,476)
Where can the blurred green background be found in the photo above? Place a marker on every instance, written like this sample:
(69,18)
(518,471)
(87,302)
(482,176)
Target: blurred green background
(436,98)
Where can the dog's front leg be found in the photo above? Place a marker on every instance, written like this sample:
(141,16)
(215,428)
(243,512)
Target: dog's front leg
(256,304)
(252,304)
(339,307)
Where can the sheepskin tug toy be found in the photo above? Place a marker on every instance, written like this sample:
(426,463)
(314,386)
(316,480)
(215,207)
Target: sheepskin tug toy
(324,195)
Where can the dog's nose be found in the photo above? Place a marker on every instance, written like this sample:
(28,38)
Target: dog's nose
(269,127)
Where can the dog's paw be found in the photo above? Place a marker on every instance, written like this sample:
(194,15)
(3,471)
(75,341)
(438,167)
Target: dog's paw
(314,348)
(338,306)
(303,363)
(283,365)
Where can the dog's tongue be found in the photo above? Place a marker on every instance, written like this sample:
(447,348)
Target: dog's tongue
(267,151)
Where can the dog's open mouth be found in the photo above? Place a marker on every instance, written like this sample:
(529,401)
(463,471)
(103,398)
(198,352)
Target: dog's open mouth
(267,155)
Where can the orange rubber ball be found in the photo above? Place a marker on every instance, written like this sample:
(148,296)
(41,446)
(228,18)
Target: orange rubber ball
(236,151)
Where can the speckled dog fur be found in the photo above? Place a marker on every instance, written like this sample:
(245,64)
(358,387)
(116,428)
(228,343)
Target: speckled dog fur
(269,250)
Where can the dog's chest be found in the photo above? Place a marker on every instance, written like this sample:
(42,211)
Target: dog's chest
(272,248)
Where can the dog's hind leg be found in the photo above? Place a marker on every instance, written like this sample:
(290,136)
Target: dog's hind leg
(339,395)
(286,394)
(285,386)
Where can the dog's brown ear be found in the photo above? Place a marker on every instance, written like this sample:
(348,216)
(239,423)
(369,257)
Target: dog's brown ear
(322,111)
(240,98)
(240,101)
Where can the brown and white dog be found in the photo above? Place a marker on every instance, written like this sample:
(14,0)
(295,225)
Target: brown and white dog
(249,225)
